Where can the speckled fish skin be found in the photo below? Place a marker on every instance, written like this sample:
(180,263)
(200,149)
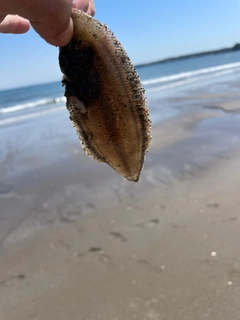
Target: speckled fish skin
(105,98)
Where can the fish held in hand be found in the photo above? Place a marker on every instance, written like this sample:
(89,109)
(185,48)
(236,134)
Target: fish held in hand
(105,98)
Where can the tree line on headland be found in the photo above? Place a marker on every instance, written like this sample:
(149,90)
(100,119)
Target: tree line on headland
(236,47)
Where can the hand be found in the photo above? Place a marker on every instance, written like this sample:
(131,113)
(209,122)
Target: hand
(51,19)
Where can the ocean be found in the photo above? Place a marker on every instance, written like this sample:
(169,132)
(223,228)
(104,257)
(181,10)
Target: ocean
(159,80)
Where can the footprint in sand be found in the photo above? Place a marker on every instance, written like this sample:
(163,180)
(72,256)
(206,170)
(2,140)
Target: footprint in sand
(118,236)
(213,204)
(145,263)
(18,276)
(148,223)
(102,258)
(229,219)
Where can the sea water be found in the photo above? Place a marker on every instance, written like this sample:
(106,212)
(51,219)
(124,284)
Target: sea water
(159,79)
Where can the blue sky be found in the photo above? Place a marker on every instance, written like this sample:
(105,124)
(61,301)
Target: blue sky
(149,30)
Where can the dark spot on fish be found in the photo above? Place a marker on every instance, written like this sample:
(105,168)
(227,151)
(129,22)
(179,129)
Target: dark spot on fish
(77,63)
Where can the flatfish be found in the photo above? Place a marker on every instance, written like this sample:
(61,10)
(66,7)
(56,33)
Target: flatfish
(105,98)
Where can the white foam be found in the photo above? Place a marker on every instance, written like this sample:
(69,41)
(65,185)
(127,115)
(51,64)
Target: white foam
(191,74)
(29,116)
(30,105)
(191,80)
(165,82)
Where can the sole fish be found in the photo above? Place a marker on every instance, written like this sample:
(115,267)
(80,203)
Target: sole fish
(105,98)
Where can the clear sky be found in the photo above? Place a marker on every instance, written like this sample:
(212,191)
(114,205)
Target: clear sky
(149,30)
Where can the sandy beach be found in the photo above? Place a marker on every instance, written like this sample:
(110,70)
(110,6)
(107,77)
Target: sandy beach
(79,242)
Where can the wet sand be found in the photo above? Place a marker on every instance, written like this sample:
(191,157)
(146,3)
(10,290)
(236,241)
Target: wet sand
(79,242)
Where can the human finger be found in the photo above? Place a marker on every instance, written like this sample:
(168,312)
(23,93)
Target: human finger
(91,8)
(85,5)
(13,24)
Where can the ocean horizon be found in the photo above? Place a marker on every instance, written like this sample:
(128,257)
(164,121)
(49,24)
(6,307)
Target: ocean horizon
(159,79)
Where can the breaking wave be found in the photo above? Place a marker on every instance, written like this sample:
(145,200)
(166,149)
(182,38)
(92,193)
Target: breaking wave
(166,82)
(32,105)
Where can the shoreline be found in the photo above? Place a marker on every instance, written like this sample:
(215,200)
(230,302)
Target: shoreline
(33,166)
(80,242)
(41,179)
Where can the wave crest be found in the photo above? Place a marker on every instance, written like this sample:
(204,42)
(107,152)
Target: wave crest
(31,105)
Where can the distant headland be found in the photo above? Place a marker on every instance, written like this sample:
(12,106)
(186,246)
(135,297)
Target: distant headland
(236,47)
